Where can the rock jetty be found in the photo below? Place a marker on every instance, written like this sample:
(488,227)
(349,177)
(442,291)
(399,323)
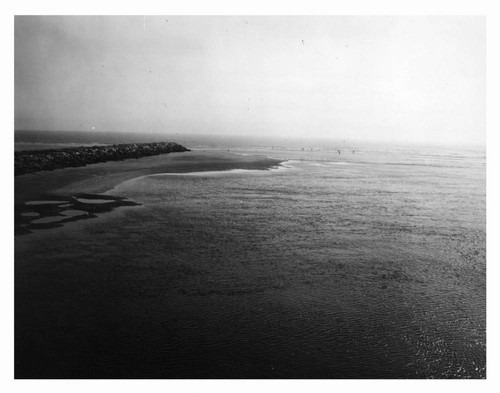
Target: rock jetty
(30,161)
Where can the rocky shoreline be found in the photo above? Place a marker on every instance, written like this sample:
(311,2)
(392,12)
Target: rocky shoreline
(30,161)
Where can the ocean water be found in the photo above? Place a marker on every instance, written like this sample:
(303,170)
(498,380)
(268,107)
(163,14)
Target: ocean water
(364,264)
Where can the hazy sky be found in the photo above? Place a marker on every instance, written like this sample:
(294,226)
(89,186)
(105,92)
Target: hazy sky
(380,78)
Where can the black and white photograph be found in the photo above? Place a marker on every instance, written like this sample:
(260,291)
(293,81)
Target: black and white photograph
(249,197)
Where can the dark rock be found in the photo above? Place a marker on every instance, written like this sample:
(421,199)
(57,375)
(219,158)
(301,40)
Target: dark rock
(47,160)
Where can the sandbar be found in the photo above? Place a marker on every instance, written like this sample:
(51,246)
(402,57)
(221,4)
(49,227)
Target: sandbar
(102,177)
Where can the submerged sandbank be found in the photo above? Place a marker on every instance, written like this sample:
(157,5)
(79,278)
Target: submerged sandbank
(51,193)
(101,177)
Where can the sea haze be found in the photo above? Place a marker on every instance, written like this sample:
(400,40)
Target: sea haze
(347,261)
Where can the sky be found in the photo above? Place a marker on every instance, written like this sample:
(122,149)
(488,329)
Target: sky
(402,79)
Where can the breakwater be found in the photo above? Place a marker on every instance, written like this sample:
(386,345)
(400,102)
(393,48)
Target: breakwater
(30,161)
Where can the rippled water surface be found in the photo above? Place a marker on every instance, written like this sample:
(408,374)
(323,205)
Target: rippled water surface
(355,265)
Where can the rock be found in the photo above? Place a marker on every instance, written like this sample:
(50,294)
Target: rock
(30,161)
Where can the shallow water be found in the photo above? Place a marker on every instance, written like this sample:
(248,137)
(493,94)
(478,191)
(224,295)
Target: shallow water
(65,214)
(98,201)
(30,214)
(365,265)
(36,203)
